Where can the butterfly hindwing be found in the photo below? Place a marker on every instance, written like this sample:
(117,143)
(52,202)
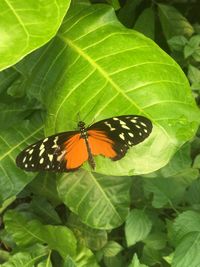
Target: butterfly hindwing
(46,154)
(123,132)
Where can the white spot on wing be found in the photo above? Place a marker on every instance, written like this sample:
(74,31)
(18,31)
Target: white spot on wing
(26,165)
(143,124)
(122,122)
(41,146)
(129,142)
(145,130)
(24,159)
(134,121)
(60,157)
(110,126)
(41,152)
(138,126)
(122,136)
(50,156)
(31,151)
(115,119)
(46,139)
(131,134)
(125,127)
(41,160)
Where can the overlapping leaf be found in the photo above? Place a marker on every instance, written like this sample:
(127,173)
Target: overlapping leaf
(100,201)
(26,232)
(27,25)
(12,141)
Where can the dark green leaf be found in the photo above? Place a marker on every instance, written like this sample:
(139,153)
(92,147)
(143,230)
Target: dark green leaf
(147,17)
(173,22)
(127,14)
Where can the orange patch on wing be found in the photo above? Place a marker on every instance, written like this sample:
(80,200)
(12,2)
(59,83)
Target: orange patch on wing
(76,152)
(100,144)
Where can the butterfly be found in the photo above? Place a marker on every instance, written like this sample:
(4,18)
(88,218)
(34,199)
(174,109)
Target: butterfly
(67,151)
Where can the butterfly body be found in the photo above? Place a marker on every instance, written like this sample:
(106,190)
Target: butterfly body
(67,151)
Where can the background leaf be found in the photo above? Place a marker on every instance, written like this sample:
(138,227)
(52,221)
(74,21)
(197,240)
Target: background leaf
(12,140)
(26,232)
(186,253)
(186,222)
(26,25)
(173,22)
(136,263)
(137,226)
(100,201)
(147,17)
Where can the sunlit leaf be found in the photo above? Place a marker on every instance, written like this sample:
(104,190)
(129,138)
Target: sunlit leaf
(27,25)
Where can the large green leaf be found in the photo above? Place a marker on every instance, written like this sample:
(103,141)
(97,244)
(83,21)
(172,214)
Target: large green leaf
(100,201)
(12,140)
(27,25)
(96,68)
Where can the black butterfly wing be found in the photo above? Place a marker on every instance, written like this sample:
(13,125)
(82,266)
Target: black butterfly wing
(124,131)
(47,154)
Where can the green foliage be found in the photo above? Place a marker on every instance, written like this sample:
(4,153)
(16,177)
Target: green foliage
(101,58)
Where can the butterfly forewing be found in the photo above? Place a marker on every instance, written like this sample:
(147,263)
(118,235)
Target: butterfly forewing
(47,154)
(124,132)
(67,151)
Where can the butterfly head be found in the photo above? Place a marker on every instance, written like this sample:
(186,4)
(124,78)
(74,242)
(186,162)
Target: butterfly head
(81,124)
